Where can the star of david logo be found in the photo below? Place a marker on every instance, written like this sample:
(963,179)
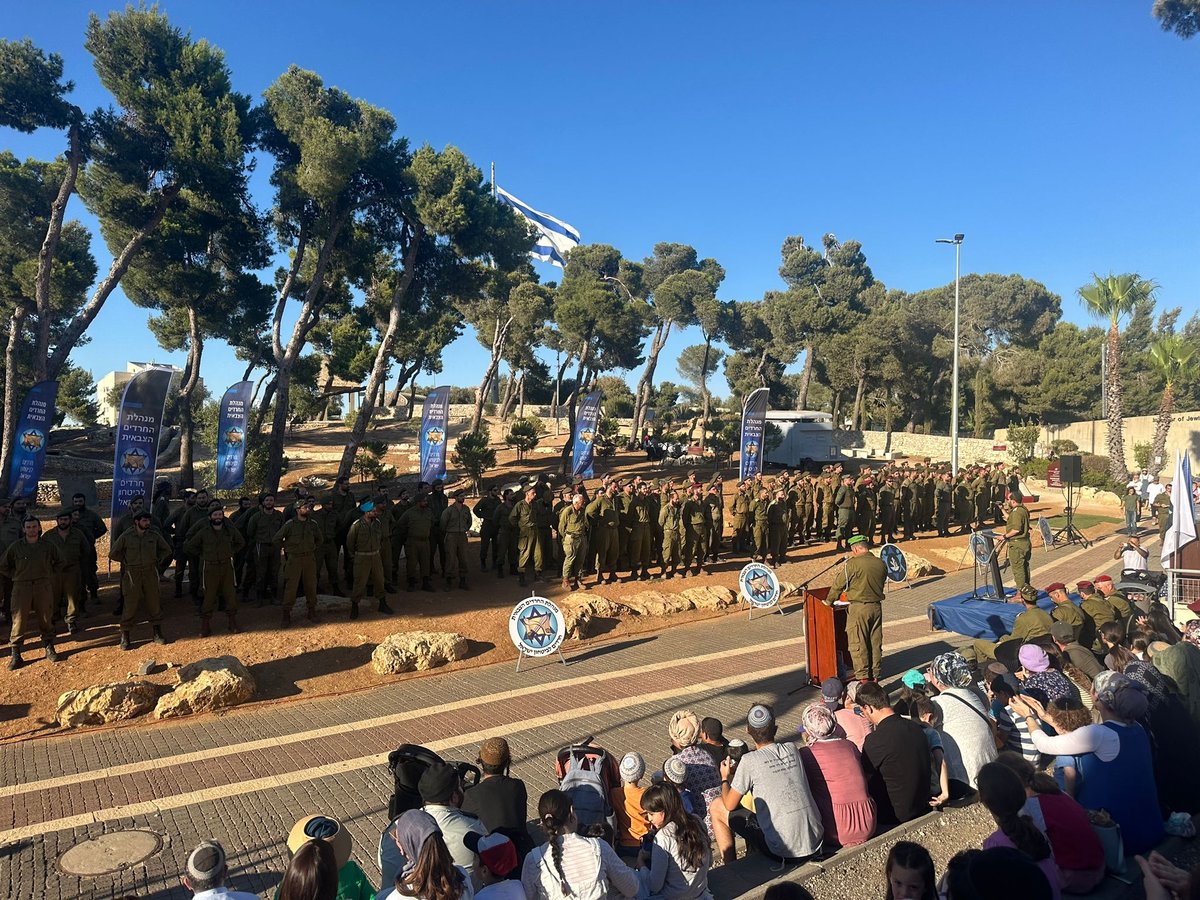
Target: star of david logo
(538,626)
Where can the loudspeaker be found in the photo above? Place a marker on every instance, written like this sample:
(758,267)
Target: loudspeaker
(1071,468)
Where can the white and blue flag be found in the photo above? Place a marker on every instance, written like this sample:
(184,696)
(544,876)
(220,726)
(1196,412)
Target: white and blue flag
(555,237)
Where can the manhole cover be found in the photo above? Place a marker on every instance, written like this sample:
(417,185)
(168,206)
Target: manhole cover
(110,853)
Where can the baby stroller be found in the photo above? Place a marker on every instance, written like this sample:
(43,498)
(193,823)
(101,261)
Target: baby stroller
(408,763)
(587,774)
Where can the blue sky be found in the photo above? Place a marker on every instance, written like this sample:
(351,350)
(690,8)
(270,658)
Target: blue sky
(1060,137)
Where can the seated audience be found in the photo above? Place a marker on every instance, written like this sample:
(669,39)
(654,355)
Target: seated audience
(626,802)
(428,871)
(785,823)
(712,738)
(1078,853)
(910,873)
(787,890)
(675,867)
(675,773)
(833,767)
(929,716)
(896,761)
(1001,873)
(497,864)
(312,873)
(1040,679)
(1011,725)
(207,872)
(442,795)
(1081,657)
(352,883)
(1180,664)
(570,865)
(854,725)
(966,728)
(499,800)
(703,780)
(1113,759)
(1000,790)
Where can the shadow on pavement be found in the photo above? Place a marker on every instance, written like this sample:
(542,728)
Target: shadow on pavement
(276,678)
(610,648)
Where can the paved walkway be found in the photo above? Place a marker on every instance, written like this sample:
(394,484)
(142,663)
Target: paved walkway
(246,776)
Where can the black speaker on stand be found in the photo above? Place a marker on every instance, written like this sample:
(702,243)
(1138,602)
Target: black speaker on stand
(1070,469)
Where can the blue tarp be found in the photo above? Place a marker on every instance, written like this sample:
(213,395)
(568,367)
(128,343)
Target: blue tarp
(983,618)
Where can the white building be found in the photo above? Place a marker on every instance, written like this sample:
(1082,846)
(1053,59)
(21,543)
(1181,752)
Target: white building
(109,388)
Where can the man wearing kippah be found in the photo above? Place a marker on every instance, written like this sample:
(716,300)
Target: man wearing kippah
(207,871)
(866,575)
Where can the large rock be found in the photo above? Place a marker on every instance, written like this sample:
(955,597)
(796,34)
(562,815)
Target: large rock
(416,651)
(581,612)
(207,684)
(104,703)
(656,603)
(325,603)
(711,596)
(919,566)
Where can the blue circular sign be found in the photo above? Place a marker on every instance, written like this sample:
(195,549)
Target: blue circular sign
(759,586)
(893,558)
(536,626)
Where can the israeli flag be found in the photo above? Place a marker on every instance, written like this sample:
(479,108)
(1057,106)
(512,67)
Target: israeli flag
(555,237)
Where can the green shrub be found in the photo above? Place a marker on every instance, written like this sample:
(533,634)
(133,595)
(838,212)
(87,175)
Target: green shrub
(350,418)
(1021,441)
(1036,468)
(524,435)
(605,441)
(1141,456)
(1063,445)
(473,455)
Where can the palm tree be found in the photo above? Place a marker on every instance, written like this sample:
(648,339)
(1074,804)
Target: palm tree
(1112,298)
(1175,360)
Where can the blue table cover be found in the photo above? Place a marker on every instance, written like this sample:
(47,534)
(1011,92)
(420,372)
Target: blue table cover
(989,619)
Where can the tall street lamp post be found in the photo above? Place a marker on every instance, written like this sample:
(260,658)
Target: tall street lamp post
(957,242)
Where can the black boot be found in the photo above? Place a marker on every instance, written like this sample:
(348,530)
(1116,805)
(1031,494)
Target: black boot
(353,609)
(427,584)
(384,609)
(14,657)
(521,579)
(158,635)
(205,626)
(449,585)
(125,645)
(412,584)
(51,653)
(462,584)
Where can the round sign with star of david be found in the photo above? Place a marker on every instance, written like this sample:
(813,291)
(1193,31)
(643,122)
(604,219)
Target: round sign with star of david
(536,626)
(893,558)
(759,586)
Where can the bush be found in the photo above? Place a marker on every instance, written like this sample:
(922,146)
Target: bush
(1063,445)
(368,462)
(1141,456)
(473,455)
(1036,468)
(525,434)
(350,418)
(605,441)
(1021,441)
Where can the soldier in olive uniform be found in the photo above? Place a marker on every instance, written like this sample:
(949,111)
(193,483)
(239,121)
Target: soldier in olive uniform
(75,551)
(604,519)
(487,528)
(943,504)
(343,509)
(1031,624)
(1101,612)
(843,499)
(865,578)
(455,523)
(507,535)
(1116,599)
(365,540)
(416,529)
(759,513)
(93,529)
(1083,629)
(670,520)
(741,515)
(139,550)
(777,528)
(384,506)
(215,545)
(262,530)
(1162,509)
(192,516)
(300,539)
(695,530)
(716,520)
(438,502)
(828,522)
(640,534)
(625,510)
(327,557)
(887,509)
(524,519)
(30,563)
(573,528)
(10,532)
(1016,537)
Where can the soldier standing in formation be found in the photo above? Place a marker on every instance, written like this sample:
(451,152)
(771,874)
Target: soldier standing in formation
(75,552)
(416,530)
(364,540)
(455,525)
(573,526)
(30,563)
(139,550)
(300,540)
(215,545)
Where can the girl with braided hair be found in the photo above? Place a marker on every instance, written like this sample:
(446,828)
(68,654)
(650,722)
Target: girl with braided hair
(569,866)
(1001,791)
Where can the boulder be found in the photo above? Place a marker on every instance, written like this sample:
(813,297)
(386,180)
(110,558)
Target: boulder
(656,603)
(709,597)
(919,566)
(207,684)
(580,615)
(417,651)
(104,703)
(325,603)
(788,589)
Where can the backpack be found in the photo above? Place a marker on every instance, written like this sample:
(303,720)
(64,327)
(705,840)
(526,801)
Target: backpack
(585,787)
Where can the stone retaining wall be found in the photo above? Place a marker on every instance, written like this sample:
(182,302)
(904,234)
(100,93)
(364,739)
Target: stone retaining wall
(934,446)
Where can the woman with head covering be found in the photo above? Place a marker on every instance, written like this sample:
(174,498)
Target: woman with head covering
(1040,678)
(428,873)
(835,775)
(966,728)
(1114,762)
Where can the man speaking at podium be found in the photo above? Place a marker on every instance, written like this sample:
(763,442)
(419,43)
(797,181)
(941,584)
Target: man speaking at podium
(865,578)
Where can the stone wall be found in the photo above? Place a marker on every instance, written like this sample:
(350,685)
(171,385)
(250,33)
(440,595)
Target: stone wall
(934,446)
(1092,437)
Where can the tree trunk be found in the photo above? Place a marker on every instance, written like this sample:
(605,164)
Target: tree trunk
(375,383)
(187,387)
(393,399)
(522,413)
(499,336)
(260,414)
(285,357)
(856,416)
(15,327)
(41,296)
(84,318)
(573,406)
(1116,426)
(412,397)
(641,399)
(1162,427)
(805,378)
(705,393)
(837,409)
(510,396)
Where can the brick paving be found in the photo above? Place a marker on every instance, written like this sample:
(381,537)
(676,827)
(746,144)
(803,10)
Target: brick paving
(622,692)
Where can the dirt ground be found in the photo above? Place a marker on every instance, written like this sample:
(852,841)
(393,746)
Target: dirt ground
(335,655)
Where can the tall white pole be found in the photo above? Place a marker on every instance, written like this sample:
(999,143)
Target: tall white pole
(954,388)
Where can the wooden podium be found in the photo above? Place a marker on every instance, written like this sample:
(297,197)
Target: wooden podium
(825,645)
